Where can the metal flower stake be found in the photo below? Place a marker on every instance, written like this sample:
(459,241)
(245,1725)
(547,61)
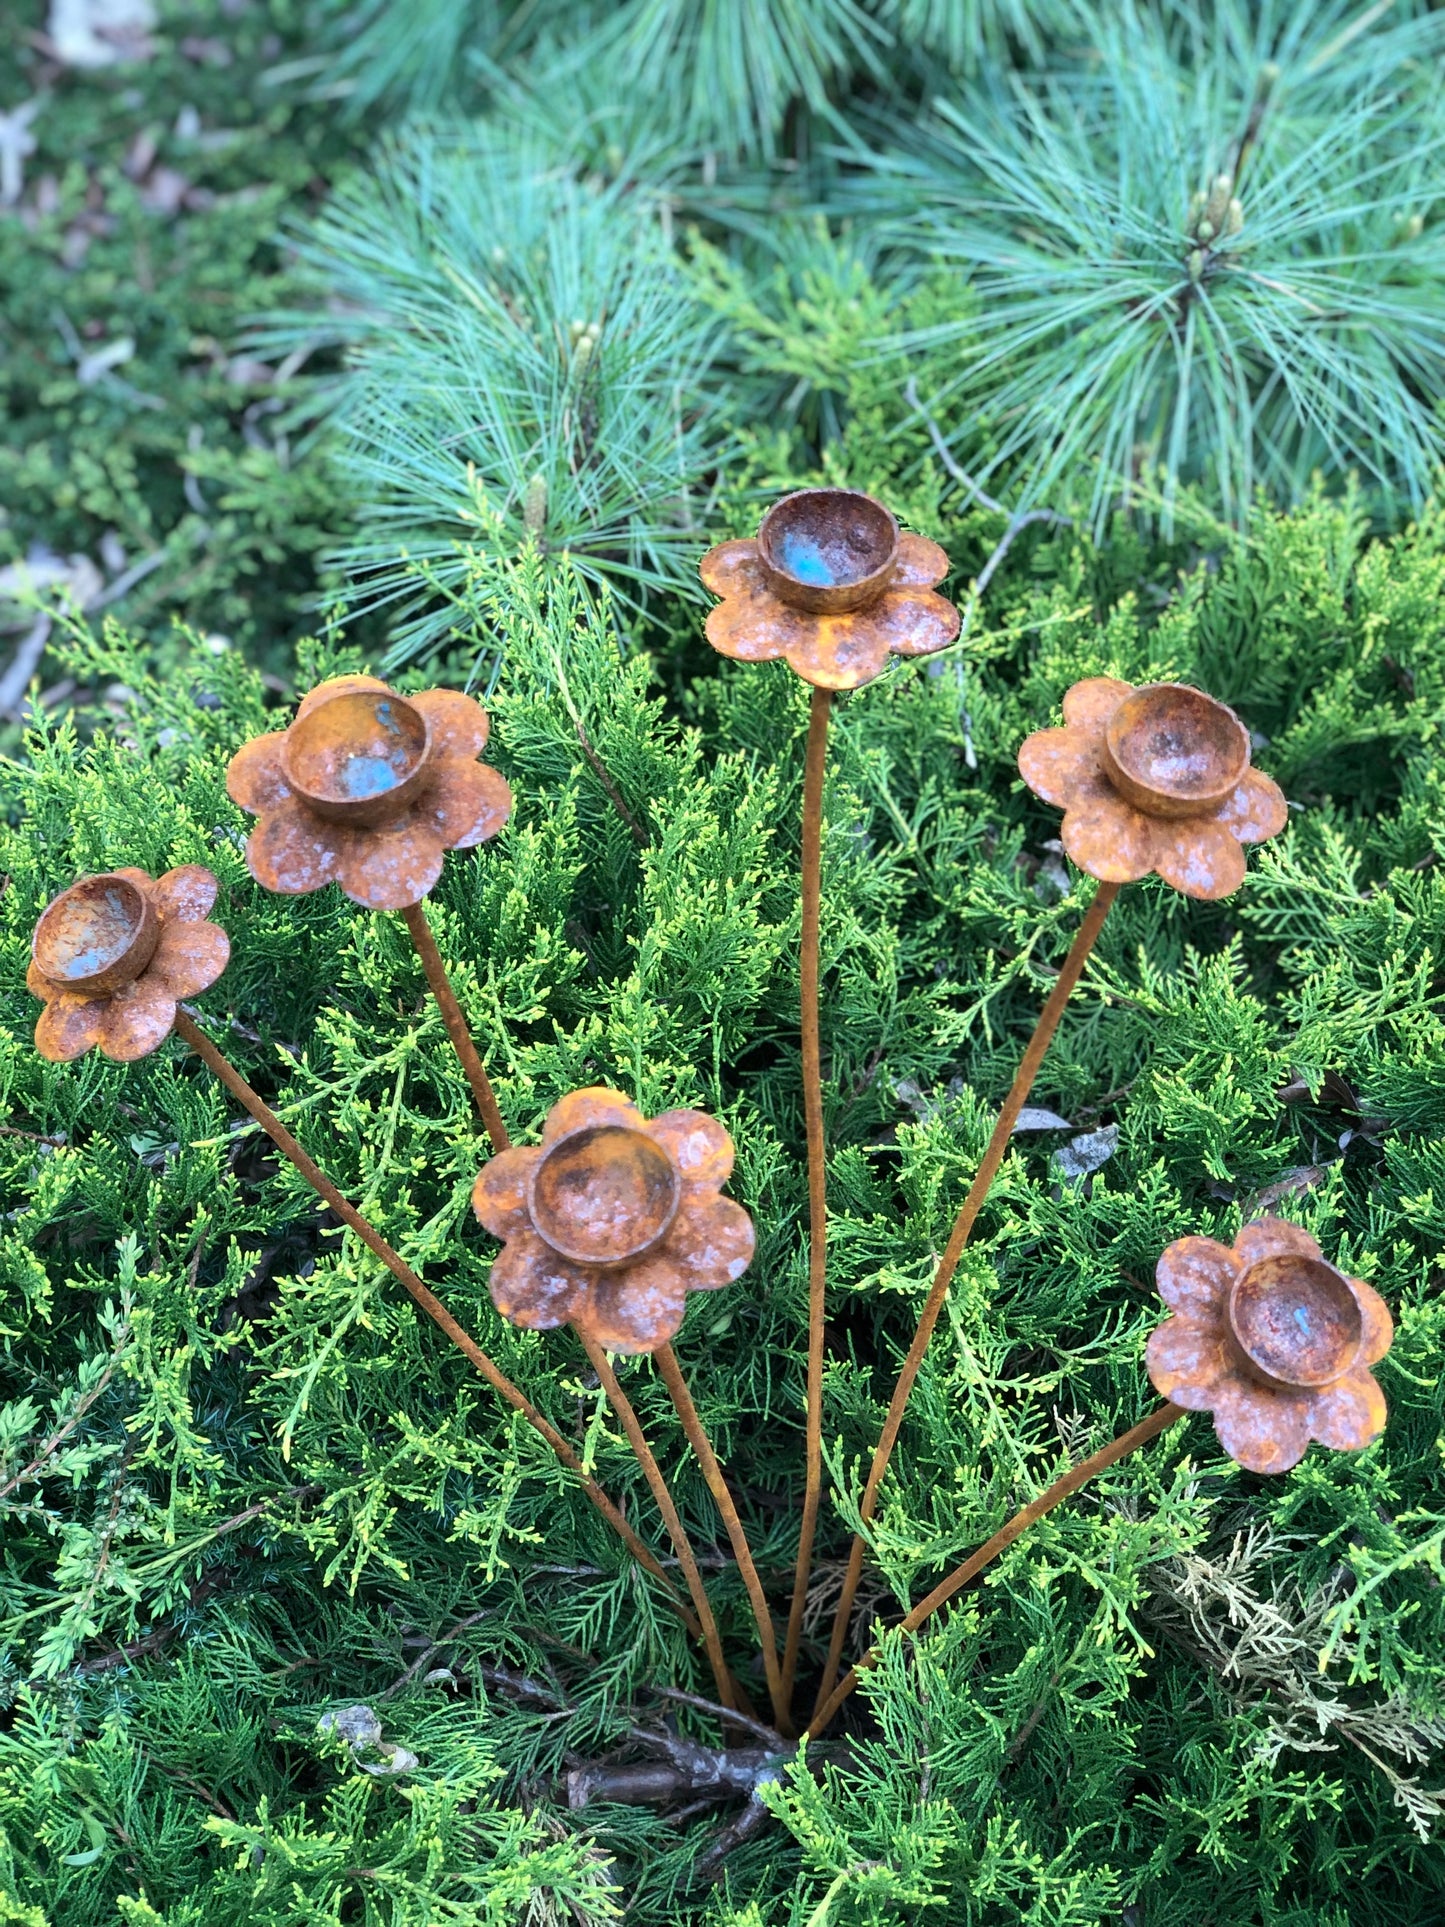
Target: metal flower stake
(612,1219)
(112,957)
(1266,1335)
(1154,779)
(607,1225)
(832,587)
(1273,1341)
(369,790)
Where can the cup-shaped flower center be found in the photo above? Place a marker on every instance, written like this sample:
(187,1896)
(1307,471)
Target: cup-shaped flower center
(97,935)
(1296,1320)
(1173,751)
(358,756)
(828,550)
(605,1195)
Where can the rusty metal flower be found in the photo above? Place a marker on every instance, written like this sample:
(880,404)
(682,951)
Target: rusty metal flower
(612,1219)
(1154,778)
(1274,1341)
(830,585)
(368,789)
(113,955)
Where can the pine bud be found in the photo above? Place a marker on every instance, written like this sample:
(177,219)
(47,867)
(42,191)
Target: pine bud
(1236,216)
(1196,263)
(534,506)
(584,336)
(1216,208)
(1204,231)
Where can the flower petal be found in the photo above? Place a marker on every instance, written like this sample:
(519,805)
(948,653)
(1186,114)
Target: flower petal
(920,563)
(534,1288)
(1273,1238)
(1379,1330)
(69,1027)
(1108,837)
(333,686)
(916,622)
(1187,1362)
(459,724)
(710,1244)
(1262,1429)
(1257,809)
(1199,857)
(499,1196)
(293,852)
(750,629)
(137,1020)
(635,1310)
(393,867)
(698,1145)
(837,652)
(584,1110)
(1195,1276)
(184,895)
(189,958)
(465,803)
(732,568)
(1349,1414)
(256,774)
(1091,703)
(1058,763)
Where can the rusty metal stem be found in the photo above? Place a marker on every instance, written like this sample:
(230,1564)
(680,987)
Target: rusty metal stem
(813,774)
(677,1532)
(456,1023)
(222,1068)
(993,1157)
(698,1439)
(1061,1489)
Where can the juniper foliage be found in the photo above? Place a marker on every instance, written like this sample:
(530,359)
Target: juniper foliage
(246,1486)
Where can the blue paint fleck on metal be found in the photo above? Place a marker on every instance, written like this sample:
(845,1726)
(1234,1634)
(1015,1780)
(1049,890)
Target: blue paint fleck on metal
(805,561)
(361,776)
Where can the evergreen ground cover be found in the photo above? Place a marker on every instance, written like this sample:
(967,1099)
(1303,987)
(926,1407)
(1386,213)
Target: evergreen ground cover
(244,1486)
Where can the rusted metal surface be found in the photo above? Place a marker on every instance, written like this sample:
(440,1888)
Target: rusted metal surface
(612,1219)
(1274,1341)
(830,586)
(368,789)
(112,956)
(1156,778)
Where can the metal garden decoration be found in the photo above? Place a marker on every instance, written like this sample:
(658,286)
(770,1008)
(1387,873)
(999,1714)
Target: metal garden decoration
(612,1222)
(832,587)
(369,789)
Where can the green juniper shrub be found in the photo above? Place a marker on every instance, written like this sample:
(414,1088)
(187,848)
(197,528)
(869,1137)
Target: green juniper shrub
(244,1486)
